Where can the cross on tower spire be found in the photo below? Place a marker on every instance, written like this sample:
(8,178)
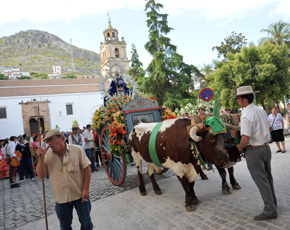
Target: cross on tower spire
(108,17)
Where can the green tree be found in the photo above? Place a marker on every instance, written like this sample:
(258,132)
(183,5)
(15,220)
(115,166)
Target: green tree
(232,44)
(206,69)
(169,77)
(70,76)
(23,77)
(135,71)
(265,67)
(2,77)
(278,33)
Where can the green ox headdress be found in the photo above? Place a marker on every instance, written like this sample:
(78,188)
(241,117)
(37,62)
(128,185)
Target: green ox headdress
(215,122)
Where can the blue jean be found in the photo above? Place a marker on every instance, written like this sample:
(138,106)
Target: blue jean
(91,155)
(27,162)
(64,213)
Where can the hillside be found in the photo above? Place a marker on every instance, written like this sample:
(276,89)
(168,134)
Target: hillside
(38,51)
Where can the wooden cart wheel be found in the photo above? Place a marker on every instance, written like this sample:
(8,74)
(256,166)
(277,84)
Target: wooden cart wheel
(115,166)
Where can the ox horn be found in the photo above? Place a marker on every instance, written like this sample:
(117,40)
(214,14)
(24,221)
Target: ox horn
(193,130)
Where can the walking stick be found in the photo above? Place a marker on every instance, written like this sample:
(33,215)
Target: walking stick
(43,188)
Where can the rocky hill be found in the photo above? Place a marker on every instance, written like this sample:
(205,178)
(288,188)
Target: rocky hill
(35,50)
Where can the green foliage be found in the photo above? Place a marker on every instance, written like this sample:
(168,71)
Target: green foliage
(265,67)
(169,77)
(136,71)
(2,77)
(70,76)
(232,44)
(38,75)
(206,69)
(278,33)
(23,77)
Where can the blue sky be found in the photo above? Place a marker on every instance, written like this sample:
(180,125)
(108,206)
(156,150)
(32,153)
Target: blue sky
(198,26)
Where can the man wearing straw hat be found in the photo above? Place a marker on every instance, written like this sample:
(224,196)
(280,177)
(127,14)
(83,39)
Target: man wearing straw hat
(255,131)
(69,175)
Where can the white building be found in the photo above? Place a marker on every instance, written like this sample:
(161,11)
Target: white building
(56,70)
(59,102)
(13,73)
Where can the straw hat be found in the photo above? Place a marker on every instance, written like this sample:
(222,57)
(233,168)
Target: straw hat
(243,90)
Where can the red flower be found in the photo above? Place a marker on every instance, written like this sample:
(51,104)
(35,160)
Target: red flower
(119,142)
(115,134)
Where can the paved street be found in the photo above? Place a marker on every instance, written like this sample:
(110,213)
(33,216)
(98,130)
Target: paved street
(124,208)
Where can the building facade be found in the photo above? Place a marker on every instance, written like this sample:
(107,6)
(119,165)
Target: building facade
(58,102)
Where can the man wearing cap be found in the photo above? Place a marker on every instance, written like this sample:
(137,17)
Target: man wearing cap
(76,138)
(255,131)
(69,175)
(26,159)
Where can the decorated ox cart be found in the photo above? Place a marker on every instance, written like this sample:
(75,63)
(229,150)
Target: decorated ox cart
(113,138)
(114,120)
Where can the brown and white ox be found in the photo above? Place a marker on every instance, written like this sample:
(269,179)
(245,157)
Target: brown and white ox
(173,151)
(232,123)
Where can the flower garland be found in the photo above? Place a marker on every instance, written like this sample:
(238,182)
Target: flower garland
(167,114)
(113,117)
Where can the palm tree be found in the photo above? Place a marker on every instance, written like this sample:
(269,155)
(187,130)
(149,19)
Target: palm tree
(278,33)
(206,69)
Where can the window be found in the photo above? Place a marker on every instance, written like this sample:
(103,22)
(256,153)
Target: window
(69,110)
(116,52)
(3,113)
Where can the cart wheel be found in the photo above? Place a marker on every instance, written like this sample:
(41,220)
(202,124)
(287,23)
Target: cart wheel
(115,166)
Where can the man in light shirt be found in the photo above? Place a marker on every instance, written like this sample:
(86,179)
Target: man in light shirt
(255,131)
(89,146)
(11,146)
(76,138)
(69,176)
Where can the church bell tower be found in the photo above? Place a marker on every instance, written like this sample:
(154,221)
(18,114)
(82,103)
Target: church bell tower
(113,51)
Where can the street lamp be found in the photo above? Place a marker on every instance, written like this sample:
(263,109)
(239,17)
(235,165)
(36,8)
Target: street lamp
(196,85)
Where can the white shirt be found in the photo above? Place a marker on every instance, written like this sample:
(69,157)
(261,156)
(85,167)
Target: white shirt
(70,141)
(88,135)
(11,148)
(44,145)
(255,124)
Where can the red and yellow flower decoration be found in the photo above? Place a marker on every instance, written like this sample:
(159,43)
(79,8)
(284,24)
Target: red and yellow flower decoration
(167,114)
(112,116)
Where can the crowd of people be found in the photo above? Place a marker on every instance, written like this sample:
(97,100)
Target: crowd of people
(27,146)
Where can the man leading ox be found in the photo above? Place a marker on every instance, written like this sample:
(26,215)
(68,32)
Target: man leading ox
(255,131)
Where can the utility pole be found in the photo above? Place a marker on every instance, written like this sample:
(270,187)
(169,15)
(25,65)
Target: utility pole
(42,162)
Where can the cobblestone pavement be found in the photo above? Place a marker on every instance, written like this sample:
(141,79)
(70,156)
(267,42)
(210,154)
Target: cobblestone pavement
(124,208)
(23,205)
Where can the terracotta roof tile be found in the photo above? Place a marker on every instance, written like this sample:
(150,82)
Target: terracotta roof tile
(48,86)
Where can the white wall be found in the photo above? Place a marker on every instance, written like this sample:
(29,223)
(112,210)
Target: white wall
(84,104)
